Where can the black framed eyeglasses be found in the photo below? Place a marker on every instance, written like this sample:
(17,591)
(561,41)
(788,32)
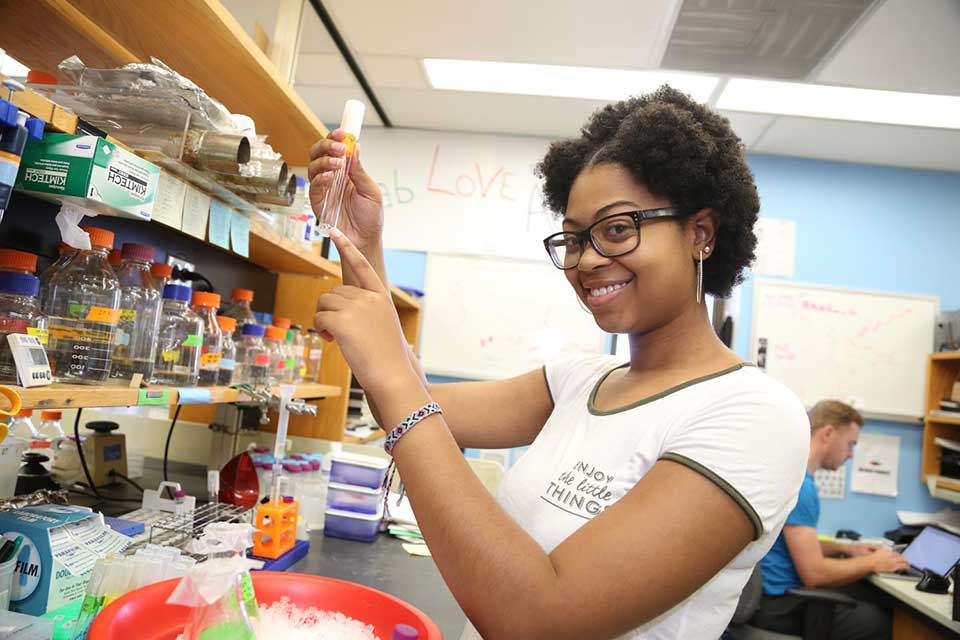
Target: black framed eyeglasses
(611,237)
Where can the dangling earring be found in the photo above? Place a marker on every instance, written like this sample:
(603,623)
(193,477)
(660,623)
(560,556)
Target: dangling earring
(700,279)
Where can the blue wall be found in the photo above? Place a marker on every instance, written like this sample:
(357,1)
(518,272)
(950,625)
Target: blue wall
(876,228)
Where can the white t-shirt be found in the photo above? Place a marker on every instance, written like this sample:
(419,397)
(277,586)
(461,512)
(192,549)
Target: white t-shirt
(745,432)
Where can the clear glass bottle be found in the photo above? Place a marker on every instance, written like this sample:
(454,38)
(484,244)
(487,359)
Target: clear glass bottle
(135,348)
(65,254)
(228,363)
(276,339)
(284,323)
(179,340)
(161,274)
(205,305)
(313,350)
(240,310)
(256,359)
(84,308)
(19,313)
(22,426)
(18,261)
(50,426)
(295,347)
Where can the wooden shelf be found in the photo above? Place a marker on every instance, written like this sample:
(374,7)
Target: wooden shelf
(73,396)
(945,356)
(943,420)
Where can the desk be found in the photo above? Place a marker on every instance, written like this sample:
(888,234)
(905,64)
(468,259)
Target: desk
(918,614)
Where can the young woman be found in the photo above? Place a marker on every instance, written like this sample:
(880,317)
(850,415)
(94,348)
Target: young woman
(651,488)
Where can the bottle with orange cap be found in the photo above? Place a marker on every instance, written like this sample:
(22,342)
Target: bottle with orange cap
(228,361)
(161,275)
(22,426)
(64,254)
(50,426)
(84,308)
(239,309)
(205,305)
(18,261)
(275,342)
(136,340)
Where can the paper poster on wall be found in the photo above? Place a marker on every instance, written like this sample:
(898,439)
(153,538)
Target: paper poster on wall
(876,460)
(776,247)
(831,484)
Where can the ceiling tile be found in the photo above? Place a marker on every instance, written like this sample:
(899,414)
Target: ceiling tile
(324,70)
(902,47)
(327,104)
(749,126)
(917,147)
(394,72)
(619,33)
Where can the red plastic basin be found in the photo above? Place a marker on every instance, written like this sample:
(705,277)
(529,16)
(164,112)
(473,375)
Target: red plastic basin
(145,615)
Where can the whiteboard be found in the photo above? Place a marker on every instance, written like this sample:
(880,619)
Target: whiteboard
(492,318)
(865,348)
(463,193)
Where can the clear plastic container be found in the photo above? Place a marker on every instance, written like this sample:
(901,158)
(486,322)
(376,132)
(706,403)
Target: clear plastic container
(22,426)
(84,308)
(19,313)
(240,310)
(205,305)
(179,340)
(313,352)
(295,340)
(65,254)
(228,361)
(161,274)
(135,349)
(351,123)
(18,261)
(362,527)
(256,360)
(353,468)
(50,425)
(348,497)
(276,348)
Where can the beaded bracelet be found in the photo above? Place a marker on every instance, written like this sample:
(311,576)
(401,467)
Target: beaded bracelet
(409,423)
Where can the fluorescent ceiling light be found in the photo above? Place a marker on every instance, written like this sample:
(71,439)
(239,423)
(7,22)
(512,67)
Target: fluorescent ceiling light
(566,82)
(13,69)
(841,103)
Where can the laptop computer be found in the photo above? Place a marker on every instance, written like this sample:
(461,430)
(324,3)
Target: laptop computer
(935,549)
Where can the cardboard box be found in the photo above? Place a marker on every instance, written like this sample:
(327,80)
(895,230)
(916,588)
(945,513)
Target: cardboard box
(60,546)
(90,172)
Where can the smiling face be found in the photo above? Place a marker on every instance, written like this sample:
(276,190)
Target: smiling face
(646,288)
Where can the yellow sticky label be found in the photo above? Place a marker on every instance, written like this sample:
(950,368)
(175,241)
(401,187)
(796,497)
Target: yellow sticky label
(128,315)
(40,334)
(170,356)
(210,359)
(103,314)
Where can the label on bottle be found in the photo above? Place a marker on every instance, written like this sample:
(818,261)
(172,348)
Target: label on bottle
(290,363)
(79,334)
(128,315)
(103,314)
(281,365)
(13,325)
(262,358)
(210,359)
(170,356)
(316,354)
(228,364)
(303,372)
(77,310)
(193,340)
(40,334)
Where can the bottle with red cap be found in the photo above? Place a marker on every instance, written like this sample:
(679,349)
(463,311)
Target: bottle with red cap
(205,305)
(64,254)
(84,308)
(179,340)
(239,309)
(18,261)
(161,275)
(228,361)
(19,313)
(136,340)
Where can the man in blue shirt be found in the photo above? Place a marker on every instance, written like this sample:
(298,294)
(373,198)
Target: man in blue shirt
(798,558)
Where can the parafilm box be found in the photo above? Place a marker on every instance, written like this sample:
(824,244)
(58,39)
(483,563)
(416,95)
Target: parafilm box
(90,172)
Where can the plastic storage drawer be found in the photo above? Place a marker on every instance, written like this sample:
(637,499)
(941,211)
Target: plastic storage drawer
(362,527)
(348,497)
(362,471)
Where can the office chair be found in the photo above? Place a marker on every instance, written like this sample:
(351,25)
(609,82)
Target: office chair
(817,620)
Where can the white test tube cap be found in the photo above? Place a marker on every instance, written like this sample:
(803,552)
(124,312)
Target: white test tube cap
(352,120)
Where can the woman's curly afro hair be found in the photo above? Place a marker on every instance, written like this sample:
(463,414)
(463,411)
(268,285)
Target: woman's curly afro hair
(678,149)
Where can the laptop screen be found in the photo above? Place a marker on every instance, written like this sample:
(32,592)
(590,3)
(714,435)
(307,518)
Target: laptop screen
(934,549)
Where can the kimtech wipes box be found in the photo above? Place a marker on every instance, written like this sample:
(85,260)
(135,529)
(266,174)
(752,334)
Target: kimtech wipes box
(90,172)
(60,546)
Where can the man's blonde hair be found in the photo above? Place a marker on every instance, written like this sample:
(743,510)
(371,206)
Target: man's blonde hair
(833,412)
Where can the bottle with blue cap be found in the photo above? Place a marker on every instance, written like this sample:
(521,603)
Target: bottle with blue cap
(16,127)
(179,340)
(19,313)
(252,356)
